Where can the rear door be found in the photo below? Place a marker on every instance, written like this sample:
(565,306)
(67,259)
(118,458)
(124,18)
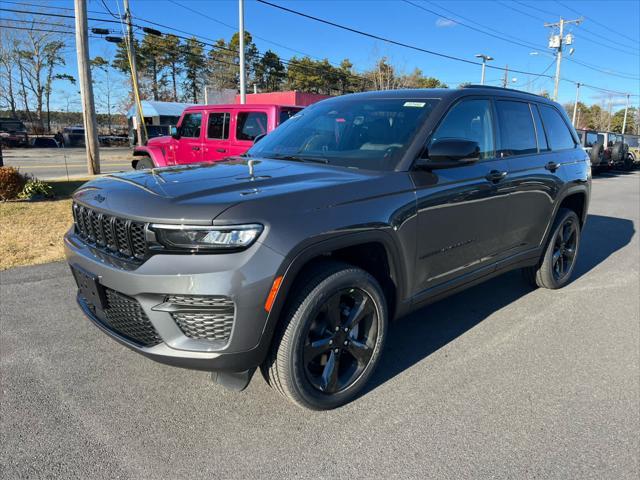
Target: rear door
(216,143)
(189,145)
(536,141)
(247,125)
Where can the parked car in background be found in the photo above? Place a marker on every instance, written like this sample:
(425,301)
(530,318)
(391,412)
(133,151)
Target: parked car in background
(207,133)
(13,133)
(73,136)
(633,141)
(43,142)
(593,143)
(616,151)
(358,210)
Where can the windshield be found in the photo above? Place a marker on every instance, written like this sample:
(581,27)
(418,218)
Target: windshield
(360,133)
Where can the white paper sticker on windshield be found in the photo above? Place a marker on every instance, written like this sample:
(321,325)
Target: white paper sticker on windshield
(414,104)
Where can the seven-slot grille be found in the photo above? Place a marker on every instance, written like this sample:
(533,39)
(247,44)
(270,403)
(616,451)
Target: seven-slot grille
(206,317)
(113,234)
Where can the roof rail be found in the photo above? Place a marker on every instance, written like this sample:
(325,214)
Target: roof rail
(492,87)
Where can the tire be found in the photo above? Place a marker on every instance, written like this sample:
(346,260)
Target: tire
(295,368)
(144,162)
(559,252)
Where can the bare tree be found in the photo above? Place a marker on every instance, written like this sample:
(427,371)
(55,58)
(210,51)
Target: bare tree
(7,71)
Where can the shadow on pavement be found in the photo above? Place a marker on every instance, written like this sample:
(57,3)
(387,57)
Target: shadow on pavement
(418,335)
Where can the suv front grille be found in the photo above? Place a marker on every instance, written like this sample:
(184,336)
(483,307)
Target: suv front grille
(203,317)
(124,316)
(114,235)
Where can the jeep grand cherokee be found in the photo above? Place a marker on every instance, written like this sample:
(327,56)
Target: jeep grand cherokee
(294,257)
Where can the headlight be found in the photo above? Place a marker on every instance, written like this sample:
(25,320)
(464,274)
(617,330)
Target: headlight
(207,238)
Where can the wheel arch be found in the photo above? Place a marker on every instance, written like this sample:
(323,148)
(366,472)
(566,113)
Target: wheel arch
(352,248)
(155,154)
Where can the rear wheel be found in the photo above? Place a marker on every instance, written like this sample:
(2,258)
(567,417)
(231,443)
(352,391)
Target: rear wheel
(559,258)
(144,162)
(331,338)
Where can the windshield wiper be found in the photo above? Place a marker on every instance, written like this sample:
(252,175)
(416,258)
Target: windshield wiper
(300,158)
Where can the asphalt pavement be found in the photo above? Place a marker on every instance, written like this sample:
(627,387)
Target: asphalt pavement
(500,381)
(57,163)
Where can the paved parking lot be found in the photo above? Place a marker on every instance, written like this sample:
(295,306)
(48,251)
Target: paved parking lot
(499,381)
(50,163)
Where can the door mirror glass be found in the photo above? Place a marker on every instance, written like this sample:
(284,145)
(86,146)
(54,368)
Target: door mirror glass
(173,131)
(449,153)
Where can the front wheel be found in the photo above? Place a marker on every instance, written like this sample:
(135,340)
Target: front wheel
(144,163)
(331,338)
(559,258)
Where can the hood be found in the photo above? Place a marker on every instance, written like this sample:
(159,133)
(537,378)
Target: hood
(160,141)
(198,193)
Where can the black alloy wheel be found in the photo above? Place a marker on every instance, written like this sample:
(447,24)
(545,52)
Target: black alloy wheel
(340,340)
(565,249)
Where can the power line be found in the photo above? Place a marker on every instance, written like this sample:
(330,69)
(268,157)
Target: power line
(501,35)
(596,22)
(104,4)
(597,35)
(204,15)
(383,39)
(46,6)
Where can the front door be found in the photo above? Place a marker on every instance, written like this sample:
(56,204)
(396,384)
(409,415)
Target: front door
(461,210)
(189,148)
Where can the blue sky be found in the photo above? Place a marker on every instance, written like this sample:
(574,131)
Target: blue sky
(521,20)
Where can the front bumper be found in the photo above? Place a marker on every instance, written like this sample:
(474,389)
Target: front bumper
(245,277)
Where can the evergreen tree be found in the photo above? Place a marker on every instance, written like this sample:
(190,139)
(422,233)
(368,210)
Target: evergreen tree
(194,67)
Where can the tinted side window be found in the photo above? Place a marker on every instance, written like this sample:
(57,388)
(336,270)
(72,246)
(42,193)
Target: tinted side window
(250,125)
(517,134)
(543,146)
(469,120)
(218,127)
(558,132)
(287,113)
(190,126)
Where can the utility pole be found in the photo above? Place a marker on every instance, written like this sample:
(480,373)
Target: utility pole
(610,107)
(485,59)
(134,73)
(243,88)
(575,105)
(505,80)
(556,42)
(624,122)
(86,88)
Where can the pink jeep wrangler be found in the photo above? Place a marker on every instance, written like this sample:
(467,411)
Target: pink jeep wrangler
(229,130)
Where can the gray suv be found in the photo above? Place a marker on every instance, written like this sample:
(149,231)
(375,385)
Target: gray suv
(294,257)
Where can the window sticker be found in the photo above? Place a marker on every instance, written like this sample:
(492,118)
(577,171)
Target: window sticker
(414,104)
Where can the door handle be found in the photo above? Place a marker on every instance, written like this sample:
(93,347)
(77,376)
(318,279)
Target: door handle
(221,150)
(195,148)
(495,175)
(552,166)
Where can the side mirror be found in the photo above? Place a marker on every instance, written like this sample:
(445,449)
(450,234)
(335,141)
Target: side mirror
(259,137)
(449,153)
(173,131)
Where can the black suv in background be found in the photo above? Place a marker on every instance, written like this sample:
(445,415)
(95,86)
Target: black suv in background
(294,257)
(13,133)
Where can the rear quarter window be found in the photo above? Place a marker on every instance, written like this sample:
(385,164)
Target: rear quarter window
(558,133)
(250,124)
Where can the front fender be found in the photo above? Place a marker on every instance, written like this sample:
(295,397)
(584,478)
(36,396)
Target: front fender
(156,154)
